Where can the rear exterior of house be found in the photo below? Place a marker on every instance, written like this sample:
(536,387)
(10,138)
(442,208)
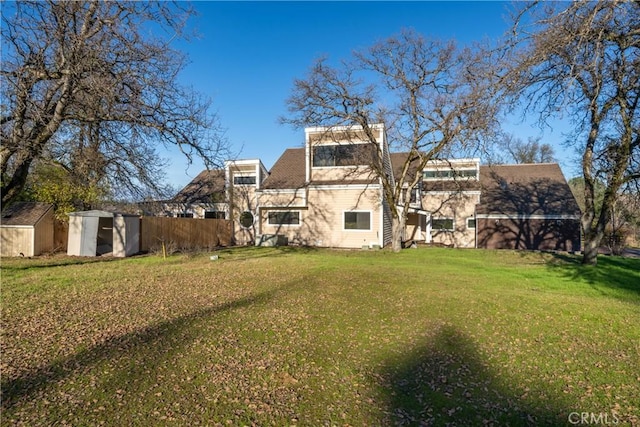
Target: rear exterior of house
(27,229)
(325,194)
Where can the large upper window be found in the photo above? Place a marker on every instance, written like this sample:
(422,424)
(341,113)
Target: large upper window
(357,220)
(436,174)
(244,179)
(284,218)
(343,155)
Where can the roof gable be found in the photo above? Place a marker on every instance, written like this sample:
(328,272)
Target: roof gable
(526,189)
(25,213)
(207,187)
(288,172)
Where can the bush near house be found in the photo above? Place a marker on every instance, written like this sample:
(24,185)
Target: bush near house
(285,336)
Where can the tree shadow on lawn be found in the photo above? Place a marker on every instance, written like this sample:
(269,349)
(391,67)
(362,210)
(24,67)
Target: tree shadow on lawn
(155,344)
(446,382)
(612,272)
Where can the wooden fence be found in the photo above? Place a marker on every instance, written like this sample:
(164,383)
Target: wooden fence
(183,233)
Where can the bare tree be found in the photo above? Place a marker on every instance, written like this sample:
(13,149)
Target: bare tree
(87,85)
(582,59)
(513,149)
(424,91)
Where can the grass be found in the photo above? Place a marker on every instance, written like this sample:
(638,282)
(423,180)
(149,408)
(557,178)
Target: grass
(283,336)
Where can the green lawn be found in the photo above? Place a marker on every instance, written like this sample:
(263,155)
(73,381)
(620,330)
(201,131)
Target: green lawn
(282,336)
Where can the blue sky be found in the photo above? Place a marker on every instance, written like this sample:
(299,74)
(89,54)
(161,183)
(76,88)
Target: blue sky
(248,54)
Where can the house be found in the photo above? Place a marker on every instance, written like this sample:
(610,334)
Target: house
(325,194)
(27,229)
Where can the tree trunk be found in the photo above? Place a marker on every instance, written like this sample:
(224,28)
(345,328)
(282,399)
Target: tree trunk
(397,232)
(590,255)
(593,235)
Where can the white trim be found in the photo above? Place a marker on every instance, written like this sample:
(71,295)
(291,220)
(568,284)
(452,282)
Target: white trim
(18,226)
(381,223)
(276,191)
(317,129)
(368,230)
(523,216)
(242,162)
(467,223)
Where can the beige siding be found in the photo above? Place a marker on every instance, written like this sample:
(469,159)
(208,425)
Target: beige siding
(341,173)
(28,240)
(456,205)
(326,216)
(299,234)
(243,199)
(17,240)
(43,238)
(322,222)
(283,198)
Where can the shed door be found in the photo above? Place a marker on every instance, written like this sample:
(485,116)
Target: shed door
(89,236)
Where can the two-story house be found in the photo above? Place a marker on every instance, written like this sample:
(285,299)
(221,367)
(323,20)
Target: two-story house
(325,194)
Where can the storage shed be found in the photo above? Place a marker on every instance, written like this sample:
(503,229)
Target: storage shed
(27,229)
(94,233)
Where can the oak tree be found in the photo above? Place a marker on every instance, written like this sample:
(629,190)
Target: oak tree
(425,91)
(93,85)
(581,60)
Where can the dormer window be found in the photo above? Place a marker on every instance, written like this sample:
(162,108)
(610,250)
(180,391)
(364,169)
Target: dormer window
(342,155)
(244,180)
(449,174)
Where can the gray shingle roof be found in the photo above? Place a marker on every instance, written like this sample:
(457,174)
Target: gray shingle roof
(25,213)
(207,187)
(288,172)
(526,189)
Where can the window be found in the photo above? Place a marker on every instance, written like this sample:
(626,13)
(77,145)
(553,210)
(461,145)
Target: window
(244,180)
(343,155)
(284,218)
(471,222)
(433,175)
(246,219)
(415,195)
(184,215)
(442,224)
(357,220)
(215,214)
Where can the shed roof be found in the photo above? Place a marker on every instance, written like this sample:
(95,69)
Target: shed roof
(25,213)
(100,214)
